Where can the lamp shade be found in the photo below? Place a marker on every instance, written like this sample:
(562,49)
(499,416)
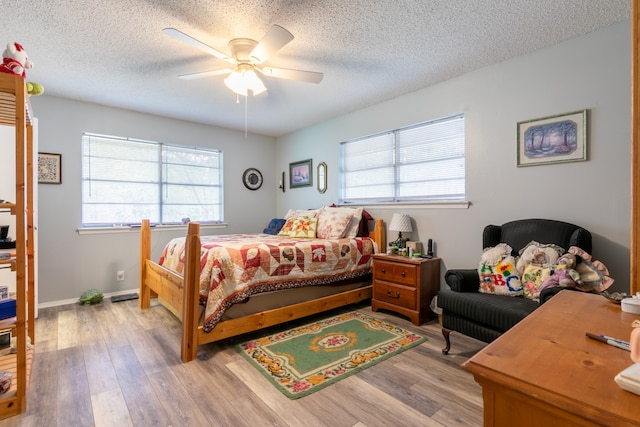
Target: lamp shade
(243,79)
(235,82)
(401,223)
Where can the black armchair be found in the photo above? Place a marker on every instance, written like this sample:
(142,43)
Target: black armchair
(485,316)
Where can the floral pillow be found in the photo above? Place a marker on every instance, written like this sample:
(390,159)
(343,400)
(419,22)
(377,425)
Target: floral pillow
(304,227)
(333,223)
(287,227)
(359,225)
(354,224)
(533,277)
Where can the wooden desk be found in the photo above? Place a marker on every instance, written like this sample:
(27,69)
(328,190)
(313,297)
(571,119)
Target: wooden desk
(546,372)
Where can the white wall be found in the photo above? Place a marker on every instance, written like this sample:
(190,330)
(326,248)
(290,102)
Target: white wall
(70,263)
(591,72)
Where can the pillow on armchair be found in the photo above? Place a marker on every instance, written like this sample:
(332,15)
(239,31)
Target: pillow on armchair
(497,272)
(533,277)
(538,254)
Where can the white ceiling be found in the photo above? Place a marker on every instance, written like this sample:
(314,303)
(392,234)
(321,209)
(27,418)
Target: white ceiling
(113,52)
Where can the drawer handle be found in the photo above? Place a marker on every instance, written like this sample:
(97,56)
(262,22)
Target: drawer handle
(390,295)
(384,271)
(403,274)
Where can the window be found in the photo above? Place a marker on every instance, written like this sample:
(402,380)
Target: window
(126,180)
(424,162)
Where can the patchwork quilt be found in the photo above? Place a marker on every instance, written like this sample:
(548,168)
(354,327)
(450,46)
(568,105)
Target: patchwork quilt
(236,266)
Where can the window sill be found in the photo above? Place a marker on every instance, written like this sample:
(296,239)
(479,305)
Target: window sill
(460,204)
(136,229)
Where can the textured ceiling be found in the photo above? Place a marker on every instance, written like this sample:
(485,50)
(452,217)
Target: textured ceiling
(113,52)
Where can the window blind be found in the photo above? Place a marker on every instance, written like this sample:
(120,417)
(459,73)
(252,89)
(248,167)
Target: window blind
(125,180)
(424,162)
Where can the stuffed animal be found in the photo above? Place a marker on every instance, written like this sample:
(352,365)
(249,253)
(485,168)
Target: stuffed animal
(564,273)
(90,297)
(34,89)
(15,60)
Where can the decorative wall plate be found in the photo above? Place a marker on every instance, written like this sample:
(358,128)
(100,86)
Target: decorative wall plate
(252,179)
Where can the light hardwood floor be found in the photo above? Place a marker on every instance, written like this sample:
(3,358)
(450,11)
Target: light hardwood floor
(114,365)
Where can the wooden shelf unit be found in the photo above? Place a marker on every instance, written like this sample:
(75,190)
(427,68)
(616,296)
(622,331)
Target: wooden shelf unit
(16,112)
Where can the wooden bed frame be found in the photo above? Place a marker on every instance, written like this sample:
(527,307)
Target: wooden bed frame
(181,294)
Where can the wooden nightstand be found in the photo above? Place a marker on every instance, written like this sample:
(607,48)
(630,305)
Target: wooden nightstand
(405,285)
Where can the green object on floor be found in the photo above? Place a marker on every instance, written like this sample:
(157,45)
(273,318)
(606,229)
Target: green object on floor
(308,358)
(90,297)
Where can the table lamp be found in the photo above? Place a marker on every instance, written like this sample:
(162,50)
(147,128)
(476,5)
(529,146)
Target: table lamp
(400,223)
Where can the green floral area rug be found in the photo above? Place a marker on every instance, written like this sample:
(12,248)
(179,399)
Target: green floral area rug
(305,359)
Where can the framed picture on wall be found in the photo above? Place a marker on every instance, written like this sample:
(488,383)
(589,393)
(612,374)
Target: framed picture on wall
(301,174)
(49,168)
(553,139)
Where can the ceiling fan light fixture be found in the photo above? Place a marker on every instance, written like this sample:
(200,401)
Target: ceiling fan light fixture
(246,57)
(244,79)
(254,83)
(235,82)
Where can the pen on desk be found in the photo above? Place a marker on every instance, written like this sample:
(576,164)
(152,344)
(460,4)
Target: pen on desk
(613,339)
(609,340)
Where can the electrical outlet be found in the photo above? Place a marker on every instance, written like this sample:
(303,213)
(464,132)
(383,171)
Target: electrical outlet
(120,276)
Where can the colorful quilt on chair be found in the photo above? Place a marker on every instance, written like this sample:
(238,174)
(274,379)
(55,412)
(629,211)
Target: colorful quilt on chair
(236,266)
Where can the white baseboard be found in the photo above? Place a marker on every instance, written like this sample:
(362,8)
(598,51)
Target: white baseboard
(76,300)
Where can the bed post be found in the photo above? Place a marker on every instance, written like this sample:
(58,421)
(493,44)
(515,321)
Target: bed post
(145,254)
(378,235)
(191,292)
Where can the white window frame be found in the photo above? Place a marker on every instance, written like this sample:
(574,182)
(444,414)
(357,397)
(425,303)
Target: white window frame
(421,163)
(166,167)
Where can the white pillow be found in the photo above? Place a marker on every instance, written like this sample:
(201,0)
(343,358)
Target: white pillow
(311,213)
(538,254)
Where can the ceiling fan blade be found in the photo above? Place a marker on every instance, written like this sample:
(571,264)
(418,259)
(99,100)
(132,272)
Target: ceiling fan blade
(179,35)
(285,73)
(205,74)
(274,40)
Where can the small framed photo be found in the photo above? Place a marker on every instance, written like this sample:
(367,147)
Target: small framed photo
(553,139)
(301,174)
(49,168)
(4,293)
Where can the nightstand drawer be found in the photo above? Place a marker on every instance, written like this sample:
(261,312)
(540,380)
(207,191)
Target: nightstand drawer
(395,272)
(391,293)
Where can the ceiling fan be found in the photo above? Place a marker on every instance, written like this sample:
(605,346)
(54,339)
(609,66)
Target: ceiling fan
(247,55)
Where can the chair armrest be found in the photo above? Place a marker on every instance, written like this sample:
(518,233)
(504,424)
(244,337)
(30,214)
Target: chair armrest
(463,280)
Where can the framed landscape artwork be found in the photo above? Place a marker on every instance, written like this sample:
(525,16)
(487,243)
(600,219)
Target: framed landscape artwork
(554,139)
(300,174)
(49,168)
